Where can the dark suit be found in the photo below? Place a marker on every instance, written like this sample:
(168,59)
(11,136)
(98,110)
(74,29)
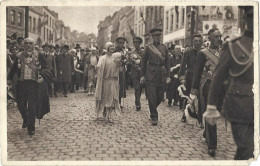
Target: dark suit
(239,100)
(172,92)
(27,86)
(155,70)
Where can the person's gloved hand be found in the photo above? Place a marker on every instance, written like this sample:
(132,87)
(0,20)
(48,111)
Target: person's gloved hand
(168,80)
(142,80)
(211,115)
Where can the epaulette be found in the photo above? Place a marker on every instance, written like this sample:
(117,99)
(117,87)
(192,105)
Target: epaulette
(234,38)
(164,45)
(19,54)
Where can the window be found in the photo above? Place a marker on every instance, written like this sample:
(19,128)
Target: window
(39,26)
(7,15)
(167,21)
(19,19)
(172,18)
(44,33)
(50,21)
(30,23)
(47,19)
(34,25)
(47,35)
(12,13)
(183,17)
(177,17)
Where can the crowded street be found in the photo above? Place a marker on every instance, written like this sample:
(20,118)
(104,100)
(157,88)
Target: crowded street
(69,132)
(138,83)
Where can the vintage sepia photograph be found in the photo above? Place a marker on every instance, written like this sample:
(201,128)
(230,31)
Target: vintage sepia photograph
(120,83)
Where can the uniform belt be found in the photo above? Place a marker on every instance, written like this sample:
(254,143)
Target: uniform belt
(155,63)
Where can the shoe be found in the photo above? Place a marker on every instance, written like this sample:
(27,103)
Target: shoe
(154,122)
(169,105)
(175,103)
(31,132)
(183,119)
(55,95)
(85,91)
(138,108)
(65,95)
(211,152)
(24,125)
(104,113)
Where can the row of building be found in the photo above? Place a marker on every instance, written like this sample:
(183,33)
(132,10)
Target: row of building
(179,23)
(44,26)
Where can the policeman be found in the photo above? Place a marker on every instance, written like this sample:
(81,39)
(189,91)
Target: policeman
(187,67)
(154,70)
(136,56)
(120,42)
(206,62)
(27,66)
(236,66)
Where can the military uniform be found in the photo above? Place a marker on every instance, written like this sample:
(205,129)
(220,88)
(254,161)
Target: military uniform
(136,75)
(155,69)
(236,65)
(206,62)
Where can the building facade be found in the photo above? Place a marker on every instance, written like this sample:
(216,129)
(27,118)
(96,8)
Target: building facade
(139,22)
(174,28)
(36,21)
(154,19)
(49,29)
(15,22)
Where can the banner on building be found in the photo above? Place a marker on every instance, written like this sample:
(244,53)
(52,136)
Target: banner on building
(226,28)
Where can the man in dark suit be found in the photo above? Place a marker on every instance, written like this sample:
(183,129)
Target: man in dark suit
(188,67)
(154,73)
(27,66)
(236,65)
(65,68)
(206,63)
(136,56)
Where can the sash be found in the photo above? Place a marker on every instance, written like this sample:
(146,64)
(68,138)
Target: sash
(210,55)
(156,51)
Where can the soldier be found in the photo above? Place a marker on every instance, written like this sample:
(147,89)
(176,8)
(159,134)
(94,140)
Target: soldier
(27,67)
(206,62)
(154,73)
(236,66)
(187,67)
(136,56)
(120,41)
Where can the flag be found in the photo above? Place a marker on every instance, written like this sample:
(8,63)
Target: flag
(131,31)
(142,16)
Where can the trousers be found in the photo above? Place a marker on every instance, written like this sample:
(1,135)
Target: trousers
(27,94)
(243,135)
(155,95)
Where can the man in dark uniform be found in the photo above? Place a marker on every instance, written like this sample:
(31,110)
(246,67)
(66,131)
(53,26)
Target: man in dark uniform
(154,73)
(206,62)
(137,55)
(187,67)
(236,66)
(120,41)
(27,66)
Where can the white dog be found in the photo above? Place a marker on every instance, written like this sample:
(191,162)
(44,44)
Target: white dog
(190,112)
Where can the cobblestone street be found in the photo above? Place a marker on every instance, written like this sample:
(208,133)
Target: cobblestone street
(69,132)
